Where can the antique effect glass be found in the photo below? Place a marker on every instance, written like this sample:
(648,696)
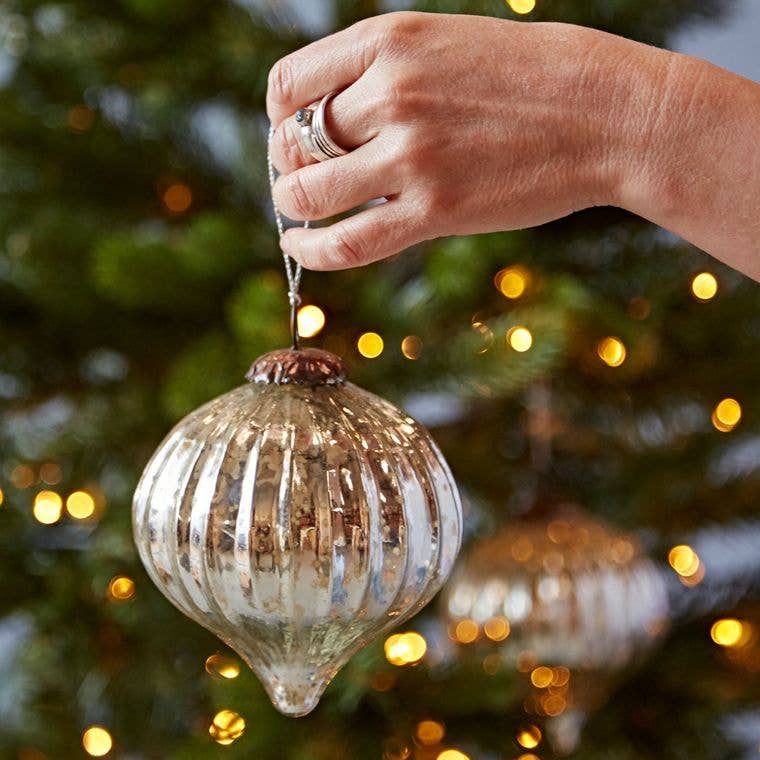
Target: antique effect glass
(298,517)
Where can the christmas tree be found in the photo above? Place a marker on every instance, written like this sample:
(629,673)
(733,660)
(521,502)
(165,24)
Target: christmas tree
(596,360)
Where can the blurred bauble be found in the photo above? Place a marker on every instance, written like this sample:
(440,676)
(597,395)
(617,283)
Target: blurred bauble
(569,602)
(297,517)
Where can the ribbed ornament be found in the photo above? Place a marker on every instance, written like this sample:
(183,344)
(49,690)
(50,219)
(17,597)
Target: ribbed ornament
(297,517)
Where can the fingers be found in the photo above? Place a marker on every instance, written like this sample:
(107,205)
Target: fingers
(351,118)
(332,63)
(368,236)
(340,184)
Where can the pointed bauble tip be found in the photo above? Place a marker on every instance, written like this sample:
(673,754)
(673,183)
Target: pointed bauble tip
(295,690)
(305,366)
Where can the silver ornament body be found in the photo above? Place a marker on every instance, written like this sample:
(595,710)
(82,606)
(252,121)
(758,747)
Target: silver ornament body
(297,517)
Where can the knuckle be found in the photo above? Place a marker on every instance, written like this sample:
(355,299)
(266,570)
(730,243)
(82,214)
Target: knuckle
(344,251)
(401,24)
(280,82)
(301,199)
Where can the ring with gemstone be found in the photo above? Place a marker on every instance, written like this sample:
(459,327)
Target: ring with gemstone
(313,132)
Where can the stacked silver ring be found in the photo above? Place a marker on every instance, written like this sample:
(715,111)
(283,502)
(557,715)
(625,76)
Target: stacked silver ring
(314,135)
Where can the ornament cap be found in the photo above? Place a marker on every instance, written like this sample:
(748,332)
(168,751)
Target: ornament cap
(306,366)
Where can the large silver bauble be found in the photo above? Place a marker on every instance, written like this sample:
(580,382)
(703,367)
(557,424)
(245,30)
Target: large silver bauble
(297,517)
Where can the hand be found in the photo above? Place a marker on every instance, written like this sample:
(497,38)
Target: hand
(472,124)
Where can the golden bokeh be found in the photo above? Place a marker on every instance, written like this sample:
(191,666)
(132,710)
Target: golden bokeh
(542,677)
(370,345)
(522,6)
(310,320)
(452,754)
(684,560)
(519,338)
(2,497)
(23,476)
(512,281)
(429,732)
(528,756)
(704,286)
(121,588)
(80,505)
(553,704)
(529,737)
(726,415)
(561,676)
(97,742)
(50,474)
(48,507)
(466,631)
(219,665)
(81,118)
(611,351)
(411,347)
(405,648)
(497,629)
(731,633)
(177,198)
(226,726)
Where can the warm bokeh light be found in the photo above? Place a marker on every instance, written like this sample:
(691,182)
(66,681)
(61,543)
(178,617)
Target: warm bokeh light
(405,648)
(496,629)
(80,118)
(429,732)
(2,497)
(452,754)
(486,336)
(519,338)
(219,665)
(561,676)
(50,474)
(121,588)
(553,704)
(704,286)
(684,560)
(411,347)
(512,281)
(177,198)
(226,726)
(97,742)
(528,756)
(23,476)
(542,677)
(522,6)
(310,319)
(80,505)
(47,508)
(370,345)
(611,351)
(726,415)
(466,631)
(529,737)
(731,633)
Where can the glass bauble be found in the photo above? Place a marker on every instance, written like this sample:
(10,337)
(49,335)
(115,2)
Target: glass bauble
(298,517)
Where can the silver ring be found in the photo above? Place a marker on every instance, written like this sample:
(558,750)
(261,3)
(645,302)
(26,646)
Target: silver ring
(314,135)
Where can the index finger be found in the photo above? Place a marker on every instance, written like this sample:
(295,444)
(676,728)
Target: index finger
(332,63)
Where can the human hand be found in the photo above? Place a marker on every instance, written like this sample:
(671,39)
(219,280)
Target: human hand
(464,123)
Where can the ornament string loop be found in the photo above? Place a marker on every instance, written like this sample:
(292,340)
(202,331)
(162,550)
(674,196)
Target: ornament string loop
(292,272)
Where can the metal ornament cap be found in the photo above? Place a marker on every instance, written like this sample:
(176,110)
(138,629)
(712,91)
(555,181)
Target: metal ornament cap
(298,517)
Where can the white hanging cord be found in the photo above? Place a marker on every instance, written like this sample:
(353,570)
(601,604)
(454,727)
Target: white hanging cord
(293,273)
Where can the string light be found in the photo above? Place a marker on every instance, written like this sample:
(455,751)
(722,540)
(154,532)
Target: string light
(522,6)
(466,631)
(405,648)
(497,629)
(47,508)
(226,727)
(2,497)
(429,732)
(219,665)
(731,633)
(80,505)
(684,560)
(121,588)
(561,676)
(529,737)
(411,347)
(50,474)
(97,742)
(520,338)
(310,320)
(528,756)
(177,198)
(611,351)
(704,286)
(23,476)
(542,677)
(370,345)
(726,415)
(80,118)
(512,281)
(452,754)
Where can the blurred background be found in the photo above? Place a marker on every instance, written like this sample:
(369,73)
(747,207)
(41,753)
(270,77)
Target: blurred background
(593,384)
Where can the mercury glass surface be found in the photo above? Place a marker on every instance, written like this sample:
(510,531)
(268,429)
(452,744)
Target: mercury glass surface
(297,517)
